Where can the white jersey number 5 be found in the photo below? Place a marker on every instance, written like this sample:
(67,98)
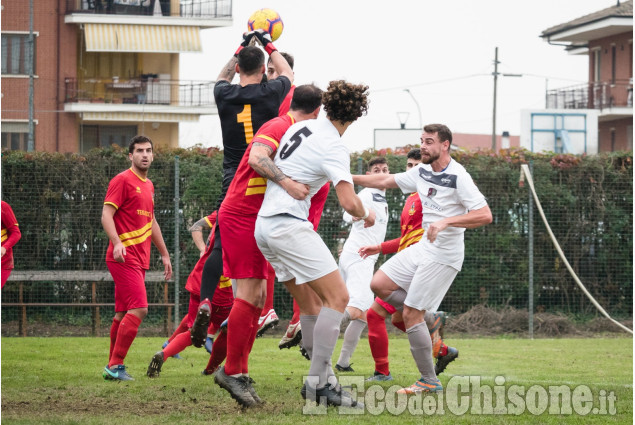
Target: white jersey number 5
(294,142)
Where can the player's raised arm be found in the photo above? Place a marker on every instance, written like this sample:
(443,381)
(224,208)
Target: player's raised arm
(378,181)
(260,160)
(280,64)
(229,70)
(352,204)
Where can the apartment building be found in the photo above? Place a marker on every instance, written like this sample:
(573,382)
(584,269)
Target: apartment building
(103,71)
(606,36)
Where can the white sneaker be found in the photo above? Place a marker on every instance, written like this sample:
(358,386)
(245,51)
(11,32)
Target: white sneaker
(292,337)
(267,322)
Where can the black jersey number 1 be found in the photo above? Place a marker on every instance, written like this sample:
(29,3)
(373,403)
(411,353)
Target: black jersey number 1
(294,142)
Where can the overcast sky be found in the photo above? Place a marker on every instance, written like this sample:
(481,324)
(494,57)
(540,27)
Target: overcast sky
(442,51)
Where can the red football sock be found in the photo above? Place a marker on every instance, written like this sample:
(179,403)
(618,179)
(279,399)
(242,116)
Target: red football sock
(239,331)
(178,344)
(219,352)
(126,334)
(250,343)
(296,313)
(378,341)
(178,331)
(113,335)
(270,283)
(399,325)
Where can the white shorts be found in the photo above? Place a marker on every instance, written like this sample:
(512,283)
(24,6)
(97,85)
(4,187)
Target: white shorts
(425,280)
(293,248)
(357,273)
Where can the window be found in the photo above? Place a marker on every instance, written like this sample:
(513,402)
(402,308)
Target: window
(102,136)
(15,54)
(15,135)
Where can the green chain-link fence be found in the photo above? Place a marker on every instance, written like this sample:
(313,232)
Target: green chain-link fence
(58,200)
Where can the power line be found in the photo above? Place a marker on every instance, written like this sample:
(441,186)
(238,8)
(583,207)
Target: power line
(428,83)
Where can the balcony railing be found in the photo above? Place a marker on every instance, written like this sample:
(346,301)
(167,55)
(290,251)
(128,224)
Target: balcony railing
(187,8)
(141,91)
(596,95)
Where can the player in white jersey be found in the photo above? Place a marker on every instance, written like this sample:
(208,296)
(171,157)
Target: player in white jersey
(418,278)
(357,271)
(312,152)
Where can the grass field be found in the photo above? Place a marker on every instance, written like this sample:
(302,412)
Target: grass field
(58,381)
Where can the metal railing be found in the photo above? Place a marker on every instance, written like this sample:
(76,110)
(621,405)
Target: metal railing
(187,8)
(595,95)
(95,301)
(148,91)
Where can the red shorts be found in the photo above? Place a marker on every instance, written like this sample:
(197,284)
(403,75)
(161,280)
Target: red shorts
(219,312)
(130,286)
(390,309)
(241,257)
(5,275)
(224,293)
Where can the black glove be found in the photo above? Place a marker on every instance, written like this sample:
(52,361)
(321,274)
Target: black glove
(246,40)
(265,39)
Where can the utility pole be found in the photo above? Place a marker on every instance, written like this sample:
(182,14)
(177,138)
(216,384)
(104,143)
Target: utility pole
(30,56)
(495,74)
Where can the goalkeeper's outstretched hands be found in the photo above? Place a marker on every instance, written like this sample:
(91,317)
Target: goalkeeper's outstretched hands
(265,39)
(247,40)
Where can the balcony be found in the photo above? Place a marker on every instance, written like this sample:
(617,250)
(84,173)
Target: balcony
(202,13)
(612,99)
(147,94)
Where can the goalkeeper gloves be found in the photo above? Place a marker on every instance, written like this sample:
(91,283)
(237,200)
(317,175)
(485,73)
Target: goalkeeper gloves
(265,39)
(246,40)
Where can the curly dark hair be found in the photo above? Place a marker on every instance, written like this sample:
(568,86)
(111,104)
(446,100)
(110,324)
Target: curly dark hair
(345,101)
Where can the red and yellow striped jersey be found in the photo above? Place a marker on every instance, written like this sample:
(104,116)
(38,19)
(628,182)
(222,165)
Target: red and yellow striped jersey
(133,198)
(411,217)
(247,190)
(211,220)
(411,231)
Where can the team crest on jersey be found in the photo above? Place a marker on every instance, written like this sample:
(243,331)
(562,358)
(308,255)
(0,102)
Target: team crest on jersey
(412,209)
(431,192)
(138,189)
(379,198)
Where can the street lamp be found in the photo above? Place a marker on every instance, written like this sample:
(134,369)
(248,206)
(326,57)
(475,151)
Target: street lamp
(416,103)
(403,118)
(505,140)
